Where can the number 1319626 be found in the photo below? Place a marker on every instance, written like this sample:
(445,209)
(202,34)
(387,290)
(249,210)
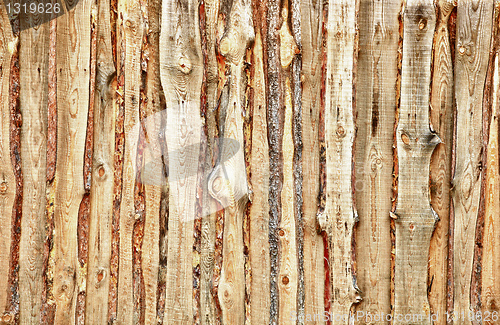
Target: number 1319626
(33,8)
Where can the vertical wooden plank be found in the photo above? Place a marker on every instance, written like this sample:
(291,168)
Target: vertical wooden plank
(312,41)
(7,180)
(339,216)
(441,115)
(101,190)
(130,33)
(73,54)
(228,182)
(151,105)
(288,266)
(474,25)
(33,65)
(414,216)
(490,285)
(259,208)
(375,108)
(181,75)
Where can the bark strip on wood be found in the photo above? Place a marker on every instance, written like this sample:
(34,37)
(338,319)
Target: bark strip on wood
(441,115)
(7,178)
(474,26)
(414,216)
(339,215)
(375,107)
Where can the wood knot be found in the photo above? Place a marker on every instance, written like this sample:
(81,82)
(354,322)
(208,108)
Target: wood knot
(217,184)
(101,171)
(281,232)
(340,131)
(285,280)
(461,50)
(422,24)
(3,187)
(405,139)
(7,318)
(225,46)
(185,65)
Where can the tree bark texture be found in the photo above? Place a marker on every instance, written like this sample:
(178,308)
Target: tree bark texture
(250,162)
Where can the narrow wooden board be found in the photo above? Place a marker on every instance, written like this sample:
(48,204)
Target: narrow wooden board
(339,216)
(376,111)
(7,180)
(181,68)
(130,37)
(414,216)
(73,32)
(490,285)
(101,190)
(474,27)
(441,115)
(259,208)
(312,40)
(33,65)
(228,182)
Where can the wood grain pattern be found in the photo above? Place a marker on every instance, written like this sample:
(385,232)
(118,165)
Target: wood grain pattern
(312,39)
(375,107)
(339,216)
(131,30)
(441,115)
(181,77)
(474,22)
(7,180)
(33,67)
(490,286)
(72,108)
(101,190)
(228,182)
(414,216)
(259,208)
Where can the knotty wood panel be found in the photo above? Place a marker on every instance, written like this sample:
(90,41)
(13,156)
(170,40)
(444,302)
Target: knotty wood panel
(269,125)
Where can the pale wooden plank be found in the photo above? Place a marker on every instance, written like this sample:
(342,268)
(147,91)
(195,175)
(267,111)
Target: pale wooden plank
(311,33)
(287,282)
(474,26)
(490,264)
(228,182)
(339,216)
(101,190)
(259,180)
(414,216)
(441,115)
(130,25)
(33,64)
(376,99)
(73,54)
(7,180)
(181,76)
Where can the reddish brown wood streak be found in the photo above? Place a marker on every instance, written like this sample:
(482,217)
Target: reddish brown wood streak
(15,152)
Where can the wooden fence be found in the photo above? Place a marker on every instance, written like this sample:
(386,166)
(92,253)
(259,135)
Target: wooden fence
(328,162)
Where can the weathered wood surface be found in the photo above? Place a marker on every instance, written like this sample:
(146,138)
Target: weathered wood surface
(414,216)
(339,215)
(441,115)
(474,24)
(376,112)
(270,124)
